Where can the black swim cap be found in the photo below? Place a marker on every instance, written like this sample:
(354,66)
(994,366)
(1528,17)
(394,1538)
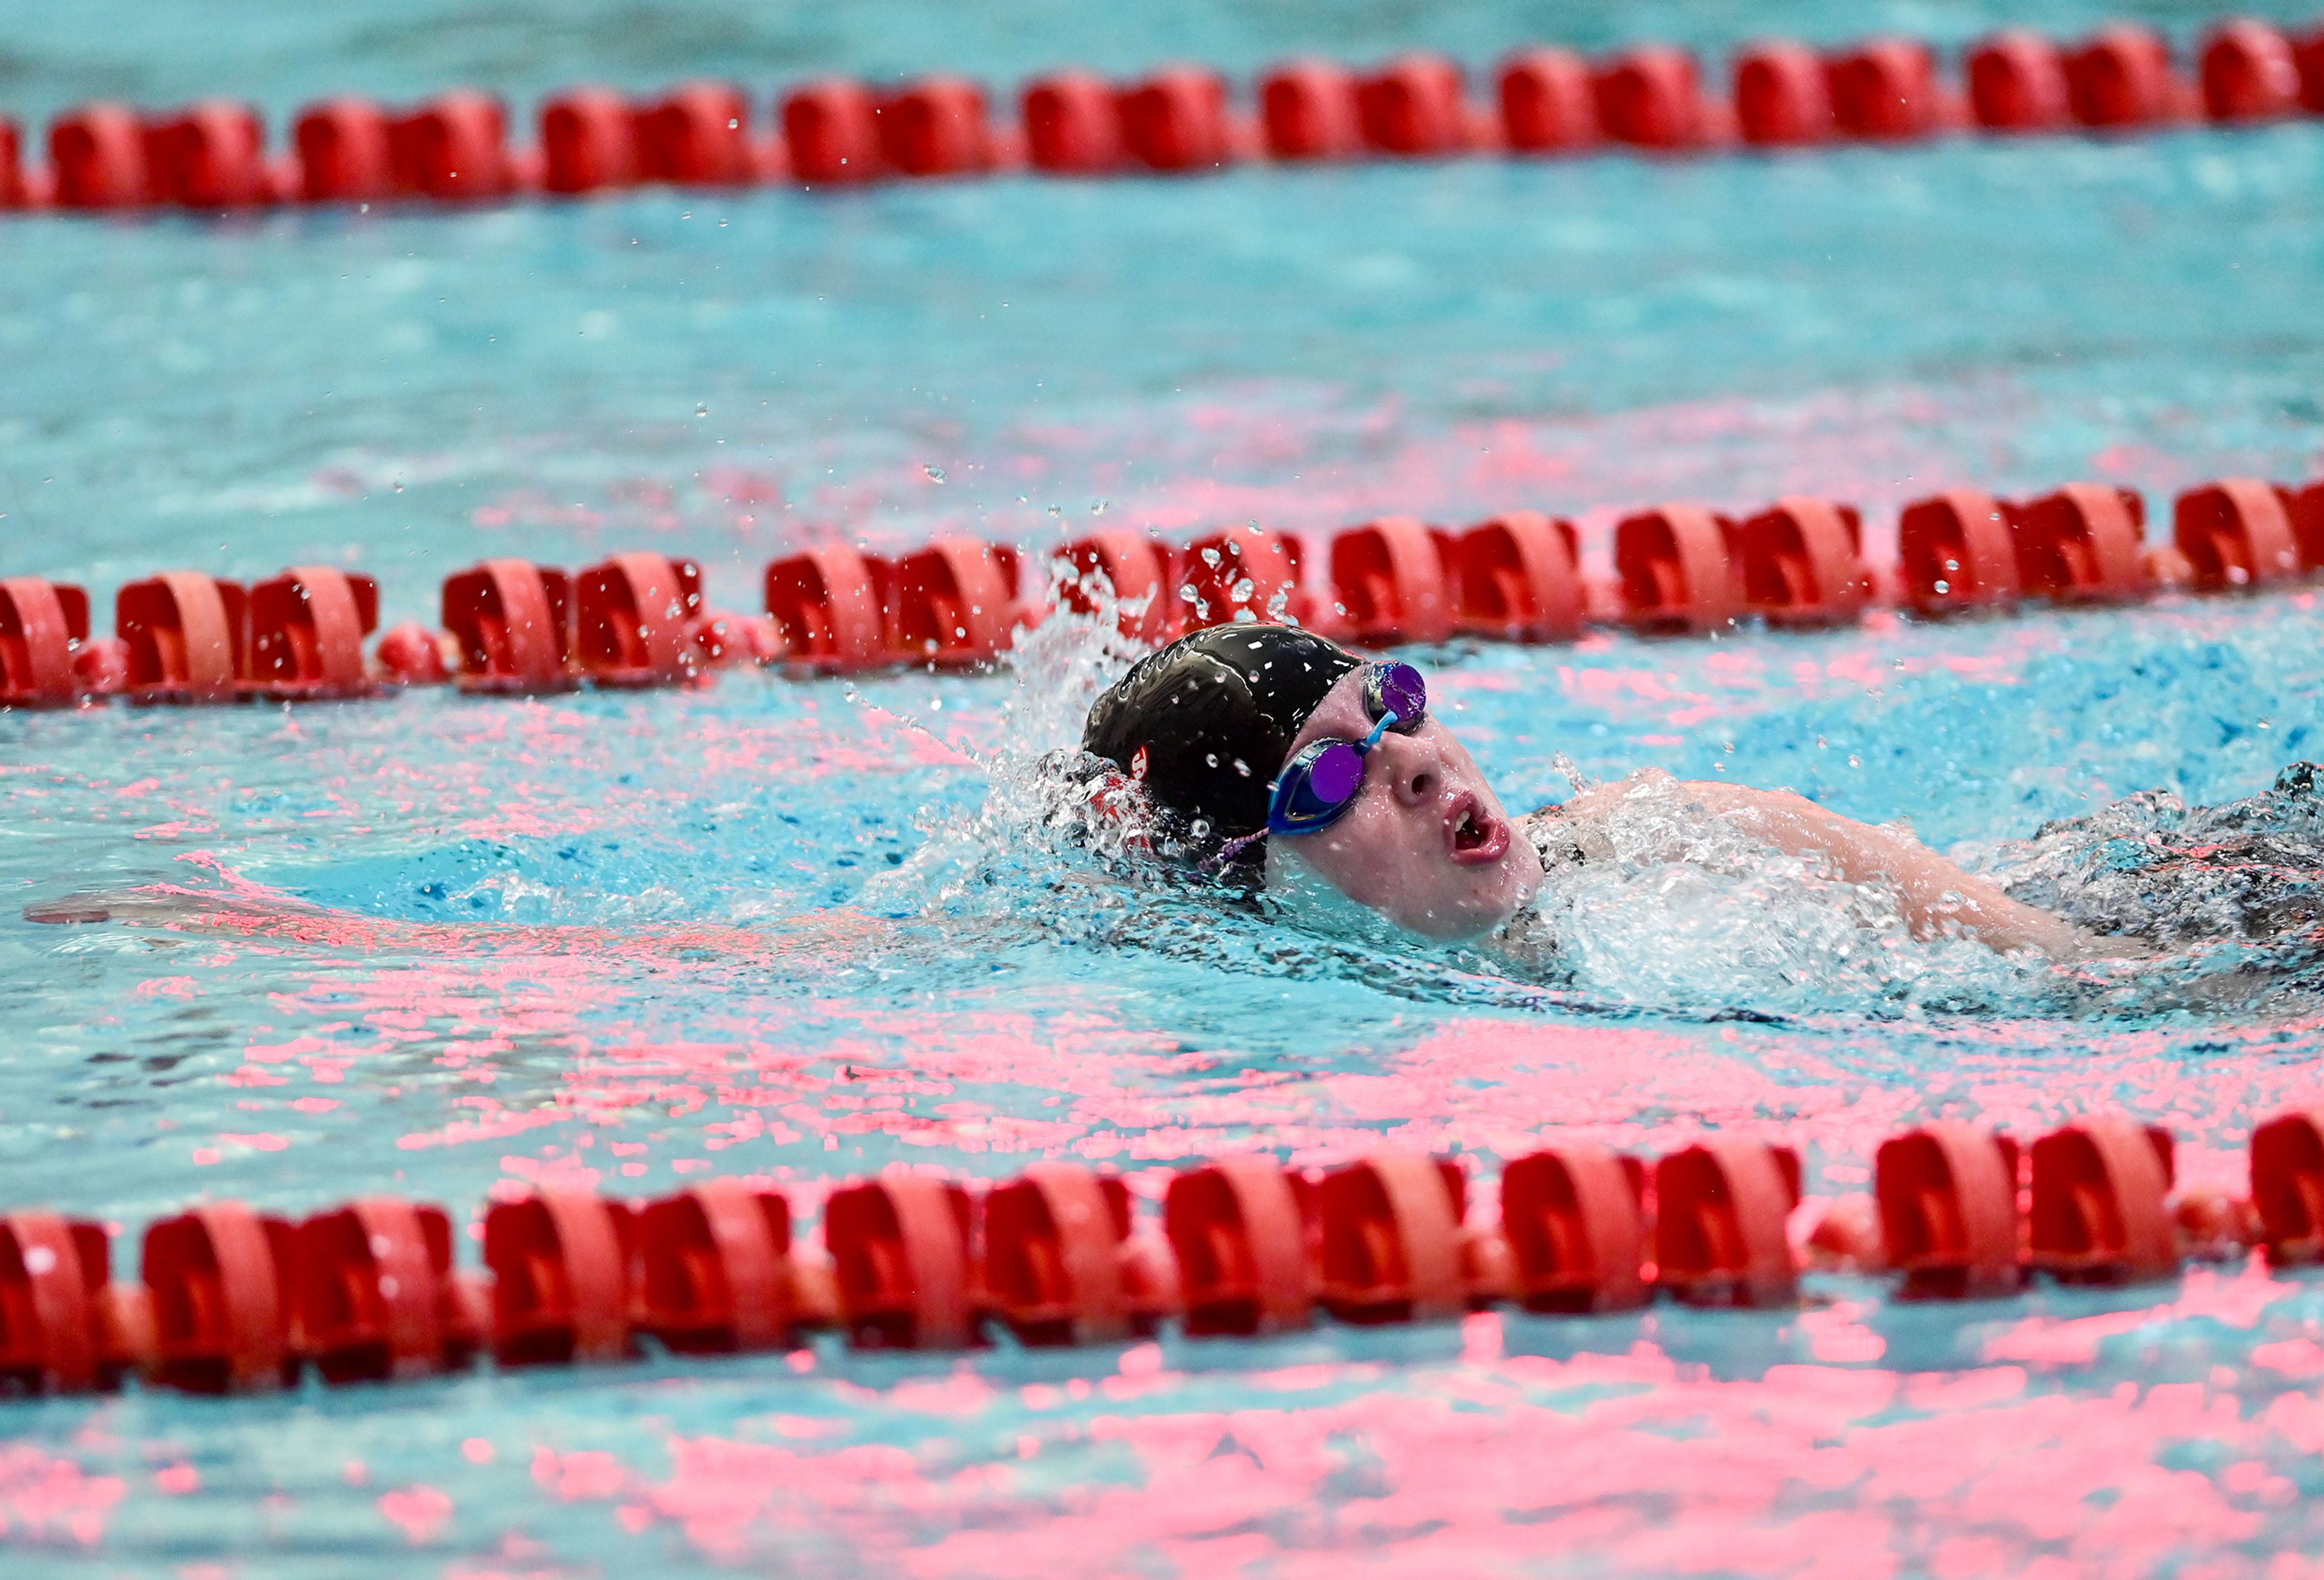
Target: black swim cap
(1214,714)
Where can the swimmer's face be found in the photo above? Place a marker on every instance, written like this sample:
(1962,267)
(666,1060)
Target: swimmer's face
(1425,844)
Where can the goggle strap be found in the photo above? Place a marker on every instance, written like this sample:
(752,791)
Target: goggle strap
(1235,847)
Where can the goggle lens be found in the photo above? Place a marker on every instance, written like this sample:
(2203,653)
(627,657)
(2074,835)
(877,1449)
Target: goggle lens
(1398,689)
(1319,785)
(1337,775)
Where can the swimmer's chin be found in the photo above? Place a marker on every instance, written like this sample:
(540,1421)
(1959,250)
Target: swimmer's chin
(1306,897)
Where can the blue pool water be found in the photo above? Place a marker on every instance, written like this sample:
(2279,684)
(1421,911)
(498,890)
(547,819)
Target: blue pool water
(731,376)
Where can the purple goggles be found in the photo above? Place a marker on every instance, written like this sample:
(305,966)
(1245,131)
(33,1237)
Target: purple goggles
(1319,784)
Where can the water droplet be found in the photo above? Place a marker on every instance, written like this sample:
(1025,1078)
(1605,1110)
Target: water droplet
(935,474)
(1097,506)
(700,411)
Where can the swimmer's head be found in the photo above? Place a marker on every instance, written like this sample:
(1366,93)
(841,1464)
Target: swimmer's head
(1208,725)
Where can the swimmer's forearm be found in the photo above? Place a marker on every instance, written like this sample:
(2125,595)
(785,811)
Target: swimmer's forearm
(264,917)
(1938,896)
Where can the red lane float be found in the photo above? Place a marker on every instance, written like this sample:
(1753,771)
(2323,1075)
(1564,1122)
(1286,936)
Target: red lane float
(1060,1265)
(560,1263)
(1547,102)
(209,155)
(2121,76)
(2082,545)
(831,130)
(2308,523)
(1956,552)
(96,158)
(221,1309)
(2101,1210)
(2238,533)
(1721,1208)
(1783,96)
(2308,53)
(953,603)
(1389,582)
(698,135)
(1677,569)
(184,632)
(588,142)
(42,624)
(1949,1217)
(900,1262)
(829,605)
(14,190)
(1389,1243)
(1175,121)
(1239,1229)
(307,630)
(1073,125)
(1518,577)
(2017,83)
(714,1269)
(345,150)
(1244,574)
(1134,570)
(632,618)
(937,126)
(1574,1217)
(1887,89)
(2287,1188)
(1800,563)
(1652,97)
(514,623)
(372,1295)
(453,147)
(54,1273)
(2248,72)
(1414,106)
(1308,109)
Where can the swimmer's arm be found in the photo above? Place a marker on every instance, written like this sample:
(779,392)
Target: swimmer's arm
(1938,896)
(282,918)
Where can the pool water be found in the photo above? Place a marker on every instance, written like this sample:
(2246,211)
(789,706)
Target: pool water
(806,929)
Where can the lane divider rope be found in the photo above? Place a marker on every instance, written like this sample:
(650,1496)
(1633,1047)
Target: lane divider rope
(232,1299)
(510,627)
(454,148)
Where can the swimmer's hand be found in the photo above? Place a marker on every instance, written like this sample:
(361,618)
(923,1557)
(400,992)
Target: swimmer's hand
(1938,898)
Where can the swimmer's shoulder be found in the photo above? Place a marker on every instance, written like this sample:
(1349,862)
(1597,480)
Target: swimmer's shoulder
(1575,830)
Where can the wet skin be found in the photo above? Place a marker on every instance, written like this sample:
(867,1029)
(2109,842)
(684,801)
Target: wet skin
(1427,845)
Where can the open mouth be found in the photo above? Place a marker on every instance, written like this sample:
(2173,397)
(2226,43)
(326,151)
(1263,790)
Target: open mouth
(1474,835)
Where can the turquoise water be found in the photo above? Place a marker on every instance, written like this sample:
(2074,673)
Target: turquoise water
(920,981)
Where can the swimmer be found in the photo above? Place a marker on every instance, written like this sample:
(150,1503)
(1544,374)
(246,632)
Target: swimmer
(1267,755)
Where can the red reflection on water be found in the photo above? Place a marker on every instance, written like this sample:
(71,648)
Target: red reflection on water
(47,1499)
(1641,1462)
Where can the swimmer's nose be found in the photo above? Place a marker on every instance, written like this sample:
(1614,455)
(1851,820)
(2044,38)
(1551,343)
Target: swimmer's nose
(1418,770)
